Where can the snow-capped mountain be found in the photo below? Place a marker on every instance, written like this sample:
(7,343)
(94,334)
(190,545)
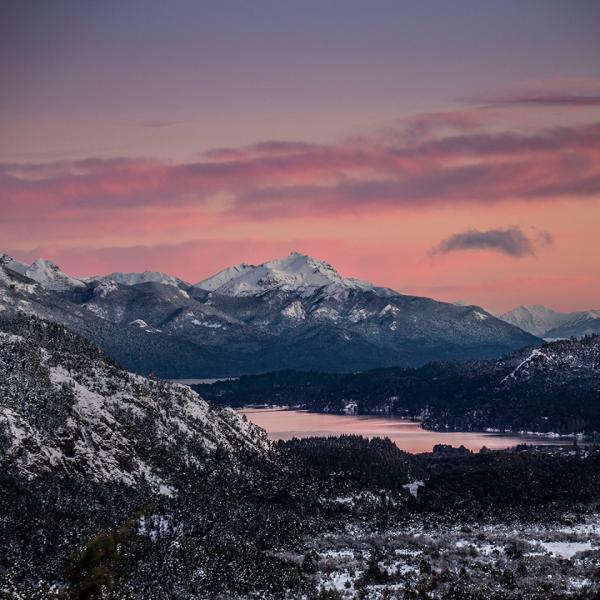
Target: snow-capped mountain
(44,272)
(65,407)
(137,278)
(296,273)
(547,323)
(10,263)
(292,313)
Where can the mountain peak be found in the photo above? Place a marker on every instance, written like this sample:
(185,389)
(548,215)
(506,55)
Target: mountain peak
(295,273)
(50,276)
(12,264)
(42,271)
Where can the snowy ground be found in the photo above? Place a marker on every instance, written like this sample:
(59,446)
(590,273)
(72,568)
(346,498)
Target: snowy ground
(530,560)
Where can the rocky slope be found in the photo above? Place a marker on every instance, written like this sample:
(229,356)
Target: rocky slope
(92,456)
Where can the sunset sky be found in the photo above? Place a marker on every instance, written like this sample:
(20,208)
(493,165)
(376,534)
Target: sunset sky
(445,149)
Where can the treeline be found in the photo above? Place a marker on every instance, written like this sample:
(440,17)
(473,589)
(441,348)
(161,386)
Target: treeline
(455,483)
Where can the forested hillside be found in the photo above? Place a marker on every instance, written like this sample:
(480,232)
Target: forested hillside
(555,388)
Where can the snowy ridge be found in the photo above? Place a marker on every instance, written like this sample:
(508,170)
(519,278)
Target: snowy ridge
(522,369)
(560,360)
(12,264)
(137,278)
(222,277)
(50,277)
(44,272)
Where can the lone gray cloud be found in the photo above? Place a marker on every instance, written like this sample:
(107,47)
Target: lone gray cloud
(511,241)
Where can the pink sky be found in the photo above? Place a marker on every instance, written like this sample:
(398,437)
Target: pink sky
(452,153)
(374,206)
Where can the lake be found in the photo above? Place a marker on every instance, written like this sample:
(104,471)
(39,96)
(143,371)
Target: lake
(282,424)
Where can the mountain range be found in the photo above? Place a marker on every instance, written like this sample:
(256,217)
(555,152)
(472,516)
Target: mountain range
(294,312)
(551,324)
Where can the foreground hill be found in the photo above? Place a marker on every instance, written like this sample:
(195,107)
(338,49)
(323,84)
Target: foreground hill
(554,388)
(64,405)
(86,446)
(295,312)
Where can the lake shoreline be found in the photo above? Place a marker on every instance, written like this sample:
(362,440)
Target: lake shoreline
(488,431)
(283,423)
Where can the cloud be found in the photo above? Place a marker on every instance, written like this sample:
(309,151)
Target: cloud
(511,241)
(562,100)
(569,92)
(426,125)
(369,173)
(544,238)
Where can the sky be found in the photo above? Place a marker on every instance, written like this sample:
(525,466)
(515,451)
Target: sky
(444,149)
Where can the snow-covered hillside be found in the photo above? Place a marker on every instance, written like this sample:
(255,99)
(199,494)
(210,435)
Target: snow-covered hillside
(44,272)
(65,407)
(137,278)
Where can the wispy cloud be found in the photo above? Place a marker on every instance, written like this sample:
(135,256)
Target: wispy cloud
(563,100)
(435,160)
(570,92)
(282,178)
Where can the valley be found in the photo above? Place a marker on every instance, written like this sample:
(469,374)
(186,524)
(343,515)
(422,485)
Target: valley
(552,390)
(113,481)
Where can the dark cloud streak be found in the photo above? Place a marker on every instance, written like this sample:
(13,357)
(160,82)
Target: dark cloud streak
(561,100)
(511,241)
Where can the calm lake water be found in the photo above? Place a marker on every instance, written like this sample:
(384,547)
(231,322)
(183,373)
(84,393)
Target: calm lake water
(281,424)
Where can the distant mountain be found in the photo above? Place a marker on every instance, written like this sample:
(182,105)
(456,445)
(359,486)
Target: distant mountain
(547,323)
(325,321)
(295,312)
(554,388)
